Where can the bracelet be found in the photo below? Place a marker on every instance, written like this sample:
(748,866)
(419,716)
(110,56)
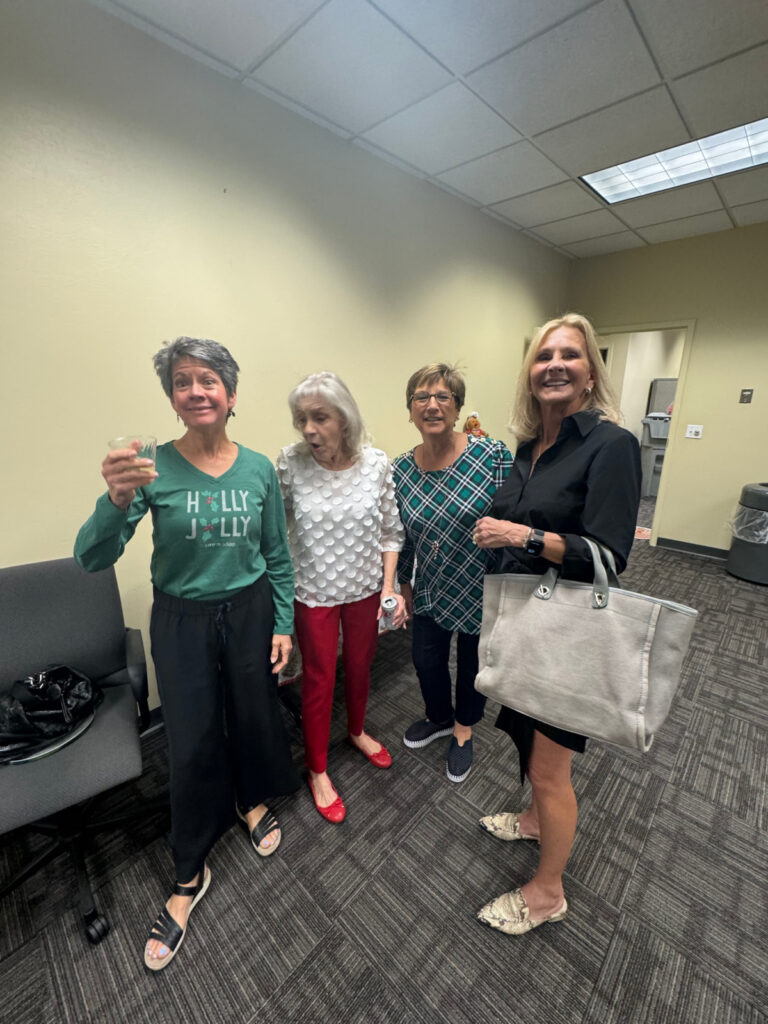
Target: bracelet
(527,537)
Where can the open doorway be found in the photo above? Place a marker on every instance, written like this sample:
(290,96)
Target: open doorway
(644,367)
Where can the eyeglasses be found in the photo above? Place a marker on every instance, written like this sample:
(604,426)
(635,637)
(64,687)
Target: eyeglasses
(423,397)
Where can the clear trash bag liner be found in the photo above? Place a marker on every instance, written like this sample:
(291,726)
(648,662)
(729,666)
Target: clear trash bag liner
(750,525)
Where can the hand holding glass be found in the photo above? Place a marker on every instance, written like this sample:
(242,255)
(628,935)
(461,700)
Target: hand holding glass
(147,448)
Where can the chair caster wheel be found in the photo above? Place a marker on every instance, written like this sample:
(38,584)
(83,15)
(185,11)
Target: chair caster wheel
(96,928)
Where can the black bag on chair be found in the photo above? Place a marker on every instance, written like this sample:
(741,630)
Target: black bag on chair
(44,711)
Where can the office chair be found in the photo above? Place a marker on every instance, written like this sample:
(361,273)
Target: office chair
(55,613)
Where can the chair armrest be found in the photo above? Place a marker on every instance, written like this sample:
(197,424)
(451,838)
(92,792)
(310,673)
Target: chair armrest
(136,666)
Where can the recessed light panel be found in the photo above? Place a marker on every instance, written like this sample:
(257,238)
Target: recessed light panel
(734,150)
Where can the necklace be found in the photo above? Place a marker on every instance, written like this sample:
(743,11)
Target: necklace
(433,547)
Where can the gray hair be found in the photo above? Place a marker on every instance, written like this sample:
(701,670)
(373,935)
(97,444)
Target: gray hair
(332,389)
(207,351)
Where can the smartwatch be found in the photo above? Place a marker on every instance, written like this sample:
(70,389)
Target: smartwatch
(535,543)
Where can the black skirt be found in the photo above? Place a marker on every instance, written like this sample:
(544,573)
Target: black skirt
(520,728)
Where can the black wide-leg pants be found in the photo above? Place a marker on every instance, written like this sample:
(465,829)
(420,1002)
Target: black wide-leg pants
(225,731)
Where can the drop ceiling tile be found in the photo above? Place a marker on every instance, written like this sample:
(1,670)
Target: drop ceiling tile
(672,205)
(688,34)
(546,204)
(725,95)
(548,245)
(576,229)
(465,34)
(450,127)
(745,187)
(595,58)
(701,224)
(629,129)
(752,213)
(352,66)
(382,154)
(607,243)
(237,32)
(454,192)
(297,108)
(502,175)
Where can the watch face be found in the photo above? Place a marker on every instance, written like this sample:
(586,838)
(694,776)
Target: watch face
(536,544)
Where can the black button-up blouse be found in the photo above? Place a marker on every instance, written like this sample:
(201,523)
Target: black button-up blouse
(586,484)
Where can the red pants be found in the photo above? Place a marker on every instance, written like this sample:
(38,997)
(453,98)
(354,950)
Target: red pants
(317,632)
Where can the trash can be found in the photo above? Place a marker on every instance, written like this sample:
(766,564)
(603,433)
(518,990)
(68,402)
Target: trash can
(652,448)
(748,557)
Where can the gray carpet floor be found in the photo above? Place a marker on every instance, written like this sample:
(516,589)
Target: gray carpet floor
(374,920)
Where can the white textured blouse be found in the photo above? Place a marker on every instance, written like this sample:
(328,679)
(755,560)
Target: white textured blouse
(339,523)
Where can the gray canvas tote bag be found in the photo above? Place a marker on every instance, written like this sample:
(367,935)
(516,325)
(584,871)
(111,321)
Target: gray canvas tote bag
(589,658)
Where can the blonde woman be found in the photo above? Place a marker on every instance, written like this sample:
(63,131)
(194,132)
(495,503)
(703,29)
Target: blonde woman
(576,474)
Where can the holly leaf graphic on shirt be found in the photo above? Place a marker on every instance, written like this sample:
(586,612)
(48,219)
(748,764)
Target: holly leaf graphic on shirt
(210,501)
(207,534)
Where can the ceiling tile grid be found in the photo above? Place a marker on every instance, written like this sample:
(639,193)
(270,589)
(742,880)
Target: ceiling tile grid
(727,94)
(505,103)
(465,35)
(629,129)
(752,213)
(450,127)
(687,201)
(590,61)
(508,172)
(351,65)
(687,34)
(605,244)
(565,200)
(746,187)
(685,227)
(577,229)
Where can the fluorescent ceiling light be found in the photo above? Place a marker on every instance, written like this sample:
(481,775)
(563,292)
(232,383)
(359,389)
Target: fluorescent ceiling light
(724,153)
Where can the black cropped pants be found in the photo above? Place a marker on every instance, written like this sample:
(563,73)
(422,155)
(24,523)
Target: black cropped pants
(225,731)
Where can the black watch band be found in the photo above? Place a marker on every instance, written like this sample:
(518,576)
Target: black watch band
(535,543)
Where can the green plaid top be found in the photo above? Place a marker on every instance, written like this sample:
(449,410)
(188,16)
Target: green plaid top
(439,509)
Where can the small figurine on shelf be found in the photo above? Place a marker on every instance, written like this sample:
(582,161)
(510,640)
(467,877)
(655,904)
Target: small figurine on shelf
(472,426)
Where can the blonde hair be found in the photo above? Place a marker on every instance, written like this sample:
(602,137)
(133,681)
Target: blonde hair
(525,421)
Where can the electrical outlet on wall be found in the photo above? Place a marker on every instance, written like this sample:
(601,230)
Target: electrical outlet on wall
(694,430)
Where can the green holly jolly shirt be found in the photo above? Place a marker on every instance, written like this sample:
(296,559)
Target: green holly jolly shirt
(211,536)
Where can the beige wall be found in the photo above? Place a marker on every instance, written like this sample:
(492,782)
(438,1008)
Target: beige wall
(145,196)
(718,282)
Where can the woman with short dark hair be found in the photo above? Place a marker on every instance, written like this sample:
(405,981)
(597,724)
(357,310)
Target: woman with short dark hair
(221,621)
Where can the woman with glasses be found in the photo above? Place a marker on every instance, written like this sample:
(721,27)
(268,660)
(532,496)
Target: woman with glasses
(444,485)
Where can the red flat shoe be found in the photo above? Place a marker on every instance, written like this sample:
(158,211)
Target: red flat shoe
(381,759)
(335,812)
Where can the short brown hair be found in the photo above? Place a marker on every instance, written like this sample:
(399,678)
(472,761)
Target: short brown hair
(431,374)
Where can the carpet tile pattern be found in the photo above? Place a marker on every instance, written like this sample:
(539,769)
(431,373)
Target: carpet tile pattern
(374,921)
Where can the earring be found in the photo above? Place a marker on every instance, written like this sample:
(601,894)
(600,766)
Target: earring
(587,390)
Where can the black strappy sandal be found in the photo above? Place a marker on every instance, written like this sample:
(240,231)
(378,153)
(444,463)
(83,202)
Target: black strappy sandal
(267,823)
(170,932)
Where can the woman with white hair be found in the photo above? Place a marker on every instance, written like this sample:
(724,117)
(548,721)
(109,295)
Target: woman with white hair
(344,533)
